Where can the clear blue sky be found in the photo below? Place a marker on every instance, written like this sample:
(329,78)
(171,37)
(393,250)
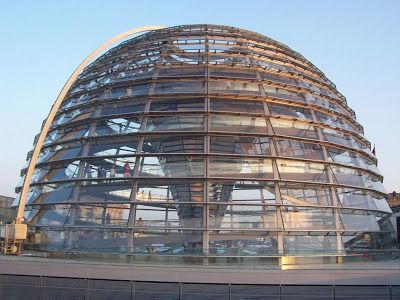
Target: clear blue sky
(355,43)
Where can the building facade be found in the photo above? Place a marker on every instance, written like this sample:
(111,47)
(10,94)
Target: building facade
(7,213)
(394,203)
(202,142)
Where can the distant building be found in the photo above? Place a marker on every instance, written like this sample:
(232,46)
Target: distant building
(394,203)
(6,212)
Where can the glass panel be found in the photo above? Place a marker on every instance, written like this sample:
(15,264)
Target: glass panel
(309,244)
(303,171)
(126,91)
(57,172)
(300,194)
(370,240)
(369,164)
(232,72)
(117,191)
(359,178)
(236,106)
(173,144)
(238,124)
(126,107)
(375,183)
(328,119)
(177,104)
(60,152)
(50,215)
(335,121)
(339,137)
(281,78)
(179,87)
(172,123)
(291,111)
(74,115)
(172,166)
(98,240)
(344,157)
(110,214)
(233,87)
(293,128)
(169,216)
(65,134)
(256,192)
(302,218)
(181,71)
(75,100)
(242,216)
(230,60)
(109,167)
(181,191)
(283,93)
(240,145)
(118,126)
(51,193)
(243,243)
(184,58)
(116,146)
(240,167)
(381,203)
(353,222)
(172,241)
(298,149)
(356,198)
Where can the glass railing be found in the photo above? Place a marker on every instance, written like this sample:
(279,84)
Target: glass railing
(233,257)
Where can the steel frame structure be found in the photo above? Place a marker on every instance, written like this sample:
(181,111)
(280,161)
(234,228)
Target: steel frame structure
(203,140)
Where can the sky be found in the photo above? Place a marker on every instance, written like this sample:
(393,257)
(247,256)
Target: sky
(355,43)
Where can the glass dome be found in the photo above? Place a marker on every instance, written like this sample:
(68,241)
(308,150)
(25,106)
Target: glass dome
(200,142)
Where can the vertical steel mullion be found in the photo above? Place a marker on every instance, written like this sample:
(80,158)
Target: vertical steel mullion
(135,173)
(278,198)
(206,185)
(334,196)
(74,206)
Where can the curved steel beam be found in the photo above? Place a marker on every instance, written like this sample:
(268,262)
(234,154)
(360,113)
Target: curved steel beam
(57,104)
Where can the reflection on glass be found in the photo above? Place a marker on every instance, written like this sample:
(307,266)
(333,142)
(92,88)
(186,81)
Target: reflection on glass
(59,172)
(302,171)
(173,144)
(242,191)
(118,126)
(240,145)
(293,128)
(179,87)
(109,167)
(60,152)
(121,108)
(240,167)
(116,147)
(243,216)
(238,124)
(177,105)
(302,218)
(300,194)
(236,106)
(359,222)
(233,87)
(356,198)
(172,166)
(310,244)
(298,149)
(177,122)
(291,111)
